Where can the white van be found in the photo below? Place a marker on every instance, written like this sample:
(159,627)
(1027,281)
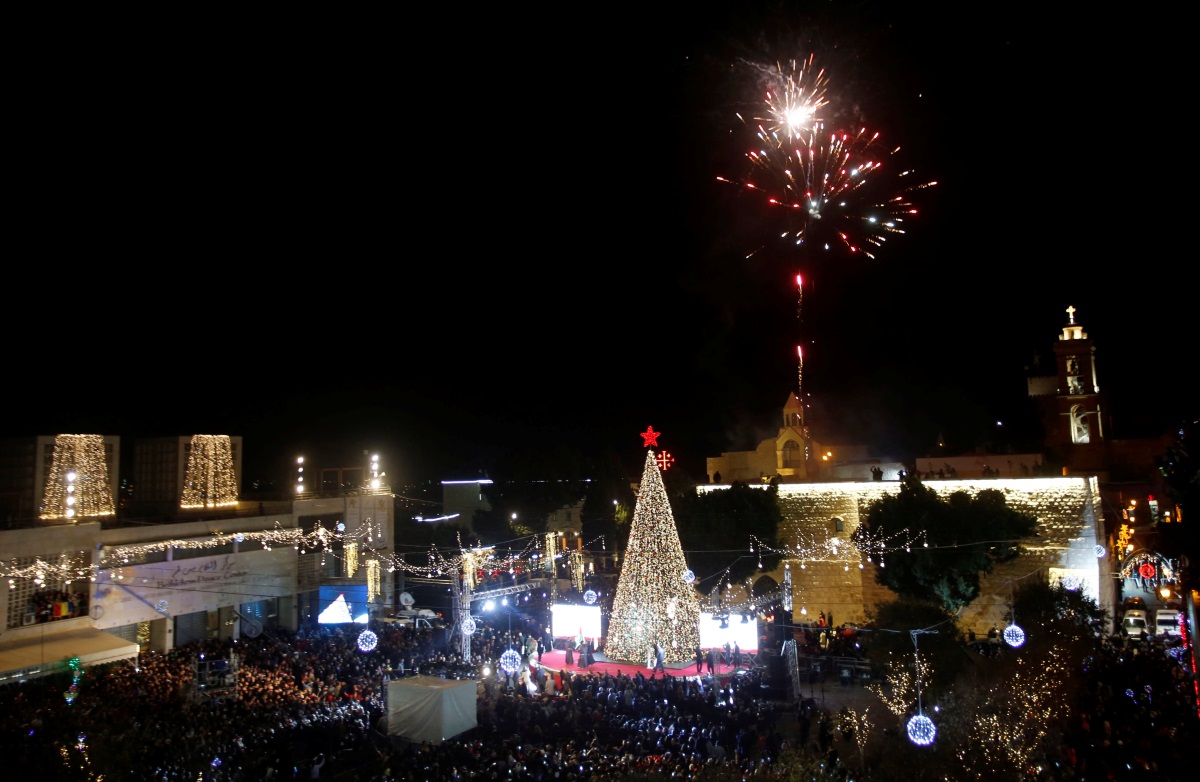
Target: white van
(1133,625)
(1166,622)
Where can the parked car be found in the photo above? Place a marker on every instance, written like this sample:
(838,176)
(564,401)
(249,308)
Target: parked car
(1134,625)
(1135,602)
(1166,622)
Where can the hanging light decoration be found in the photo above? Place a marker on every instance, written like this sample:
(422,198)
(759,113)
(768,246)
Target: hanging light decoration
(921,730)
(469,626)
(367,641)
(510,662)
(1013,635)
(589,597)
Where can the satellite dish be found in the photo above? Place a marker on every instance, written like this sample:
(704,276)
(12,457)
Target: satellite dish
(406,599)
(251,628)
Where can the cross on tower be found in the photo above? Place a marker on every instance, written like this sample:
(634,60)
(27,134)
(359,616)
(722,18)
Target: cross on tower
(1071,313)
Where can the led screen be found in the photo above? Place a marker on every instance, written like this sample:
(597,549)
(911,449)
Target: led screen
(568,620)
(713,637)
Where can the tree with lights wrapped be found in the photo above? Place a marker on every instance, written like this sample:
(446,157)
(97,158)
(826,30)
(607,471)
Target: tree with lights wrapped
(654,600)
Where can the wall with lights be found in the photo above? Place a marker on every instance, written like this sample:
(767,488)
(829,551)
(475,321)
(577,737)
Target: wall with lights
(1069,530)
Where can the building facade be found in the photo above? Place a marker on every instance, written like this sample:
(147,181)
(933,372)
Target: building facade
(205,565)
(1082,488)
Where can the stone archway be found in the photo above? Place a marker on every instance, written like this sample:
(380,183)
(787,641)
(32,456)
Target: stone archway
(764,585)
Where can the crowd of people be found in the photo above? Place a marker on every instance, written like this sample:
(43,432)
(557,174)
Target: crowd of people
(311,704)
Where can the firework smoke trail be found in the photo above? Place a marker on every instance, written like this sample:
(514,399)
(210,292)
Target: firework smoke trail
(834,193)
(831,192)
(800,378)
(793,103)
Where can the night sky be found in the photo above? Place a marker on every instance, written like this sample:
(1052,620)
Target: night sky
(451,236)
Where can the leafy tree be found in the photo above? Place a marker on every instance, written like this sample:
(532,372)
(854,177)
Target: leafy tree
(1180,467)
(966,536)
(1054,617)
(888,640)
(715,530)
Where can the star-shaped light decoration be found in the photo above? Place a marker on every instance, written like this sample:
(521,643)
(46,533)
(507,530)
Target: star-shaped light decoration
(650,437)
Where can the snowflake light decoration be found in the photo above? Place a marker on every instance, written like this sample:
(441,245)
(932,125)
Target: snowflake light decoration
(469,626)
(1014,636)
(921,730)
(689,577)
(367,641)
(510,662)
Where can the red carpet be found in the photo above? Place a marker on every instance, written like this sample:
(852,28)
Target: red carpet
(556,661)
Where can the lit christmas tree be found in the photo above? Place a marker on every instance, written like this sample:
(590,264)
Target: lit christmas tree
(653,601)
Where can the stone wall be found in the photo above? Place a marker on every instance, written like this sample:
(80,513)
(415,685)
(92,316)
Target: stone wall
(830,575)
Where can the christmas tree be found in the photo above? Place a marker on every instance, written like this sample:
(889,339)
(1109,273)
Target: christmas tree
(655,600)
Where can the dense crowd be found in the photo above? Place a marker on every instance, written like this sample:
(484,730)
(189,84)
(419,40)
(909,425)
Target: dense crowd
(1136,720)
(311,704)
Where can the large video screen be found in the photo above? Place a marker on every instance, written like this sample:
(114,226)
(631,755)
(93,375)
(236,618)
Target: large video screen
(745,634)
(343,605)
(567,621)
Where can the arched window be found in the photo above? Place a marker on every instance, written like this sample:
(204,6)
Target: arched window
(793,455)
(839,524)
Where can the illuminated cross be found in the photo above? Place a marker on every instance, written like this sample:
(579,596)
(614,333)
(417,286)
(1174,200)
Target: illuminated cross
(665,460)
(650,437)
(1071,312)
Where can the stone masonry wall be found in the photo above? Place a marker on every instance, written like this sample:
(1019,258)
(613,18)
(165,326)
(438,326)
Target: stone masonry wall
(827,577)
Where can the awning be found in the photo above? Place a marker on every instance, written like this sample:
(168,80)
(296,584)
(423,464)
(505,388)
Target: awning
(44,651)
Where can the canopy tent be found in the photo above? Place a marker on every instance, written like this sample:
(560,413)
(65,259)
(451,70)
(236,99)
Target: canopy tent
(429,708)
(36,654)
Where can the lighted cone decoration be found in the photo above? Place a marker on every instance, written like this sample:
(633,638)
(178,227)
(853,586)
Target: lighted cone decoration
(653,603)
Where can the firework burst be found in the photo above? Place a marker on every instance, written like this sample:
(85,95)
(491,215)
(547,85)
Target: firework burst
(825,192)
(794,101)
(832,190)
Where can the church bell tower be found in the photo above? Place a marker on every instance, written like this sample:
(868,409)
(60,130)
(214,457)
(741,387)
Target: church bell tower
(1081,414)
